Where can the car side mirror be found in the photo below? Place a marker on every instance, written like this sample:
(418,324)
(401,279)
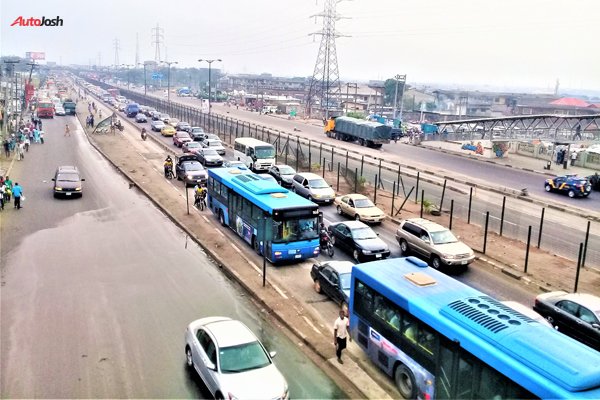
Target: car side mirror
(596,326)
(53,179)
(82,179)
(377,233)
(272,354)
(210,365)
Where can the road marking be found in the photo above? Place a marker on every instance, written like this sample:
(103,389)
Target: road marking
(208,222)
(254,266)
(236,248)
(220,233)
(279,291)
(311,324)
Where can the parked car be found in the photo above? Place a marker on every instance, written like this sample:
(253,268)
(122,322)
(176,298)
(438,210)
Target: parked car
(528,312)
(67,182)
(235,164)
(181,137)
(189,170)
(359,240)
(313,187)
(167,130)
(268,177)
(284,174)
(157,125)
(209,157)
(141,117)
(182,126)
(191,147)
(231,361)
(214,144)
(575,314)
(433,242)
(572,185)
(332,278)
(359,207)
(196,133)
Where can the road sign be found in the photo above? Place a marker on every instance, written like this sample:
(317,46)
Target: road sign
(156,75)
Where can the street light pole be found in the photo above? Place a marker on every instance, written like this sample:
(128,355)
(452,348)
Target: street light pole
(128,67)
(169,78)
(209,73)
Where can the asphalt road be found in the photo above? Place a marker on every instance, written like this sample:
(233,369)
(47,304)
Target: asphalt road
(97,291)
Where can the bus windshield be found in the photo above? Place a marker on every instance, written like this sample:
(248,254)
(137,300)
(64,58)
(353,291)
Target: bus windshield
(293,230)
(265,152)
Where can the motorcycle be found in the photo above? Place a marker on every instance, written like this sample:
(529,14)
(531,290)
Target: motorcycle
(119,126)
(144,134)
(169,172)
(325,243)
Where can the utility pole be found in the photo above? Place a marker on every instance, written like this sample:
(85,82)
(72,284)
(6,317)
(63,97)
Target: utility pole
(137,48)
(116,45)
(10,66)
(399,78)
(348,86)
(209,72)
(169,77)
(158,36)
(325,83)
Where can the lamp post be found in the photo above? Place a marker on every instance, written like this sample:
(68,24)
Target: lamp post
(209,72)
(169,78)
(145,79)
(398,78)
(127,66)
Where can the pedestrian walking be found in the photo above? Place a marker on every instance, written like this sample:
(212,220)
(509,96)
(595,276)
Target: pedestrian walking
(41,137)
(67,130)
(573,158)
(6,145)
(340,333)
(17,194)
(2,194)
(91,121)
(21,151)
(26,144)
(36,135)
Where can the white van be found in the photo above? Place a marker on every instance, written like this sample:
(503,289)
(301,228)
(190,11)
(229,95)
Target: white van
(255,154)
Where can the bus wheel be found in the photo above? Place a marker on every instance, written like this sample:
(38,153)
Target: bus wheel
(405,382)
(222,218)
(256,245)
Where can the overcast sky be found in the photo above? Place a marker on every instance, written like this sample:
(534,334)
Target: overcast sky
(510,43)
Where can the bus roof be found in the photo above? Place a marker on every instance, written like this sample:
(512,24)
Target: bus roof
(266,194)
(483,326)
(248,141)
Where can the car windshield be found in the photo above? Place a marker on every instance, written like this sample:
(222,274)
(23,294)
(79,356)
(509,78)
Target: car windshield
(345,281)
(264,152)
(210,152)
(197,130)
(242,358)
(363,203)
(183,135)
(193,145)
(363,233)
(442,237)
(164,116)
(68,177)
(286,170)
(193,166)
(214,143)
(295,229)
(318,184)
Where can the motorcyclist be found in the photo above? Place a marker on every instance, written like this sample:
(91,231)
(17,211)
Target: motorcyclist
(168,165)
(323,235)
(144,134)
(199,195)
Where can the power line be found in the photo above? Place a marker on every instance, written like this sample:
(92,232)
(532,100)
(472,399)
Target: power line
(116,44)
(137,49)
(158,36)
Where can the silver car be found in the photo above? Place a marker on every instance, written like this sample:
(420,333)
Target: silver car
(231,360)
(214,144)
(433,242)
(313,187)
(157,125)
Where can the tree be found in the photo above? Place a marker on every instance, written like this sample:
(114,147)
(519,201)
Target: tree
(390,91)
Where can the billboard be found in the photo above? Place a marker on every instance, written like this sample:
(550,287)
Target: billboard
(35,55)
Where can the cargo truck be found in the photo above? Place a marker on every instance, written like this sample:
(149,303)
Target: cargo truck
(366,133)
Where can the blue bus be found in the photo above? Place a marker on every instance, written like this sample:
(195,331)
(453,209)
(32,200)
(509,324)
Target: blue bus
(273,220)
(439,338)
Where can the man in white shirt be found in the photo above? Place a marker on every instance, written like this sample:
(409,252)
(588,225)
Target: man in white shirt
(340,333)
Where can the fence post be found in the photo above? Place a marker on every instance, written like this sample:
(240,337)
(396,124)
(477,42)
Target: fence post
(443,194)
(417,191)
(309,155)
(527,249)
(579,257)
(422,199)
(297,153)
(346,161)
(398,178)
(337,185)
(320,151)
(332,158)
(375,193)
(485,233)
(355,180)
(502,215)
(541,226)
(470,201)
(362,163)
(393,197)
(324,161)
(451,213)
(585,246)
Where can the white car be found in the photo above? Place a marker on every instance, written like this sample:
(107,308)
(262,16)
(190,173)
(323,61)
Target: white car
(59,111)
(215,145)
(231,360)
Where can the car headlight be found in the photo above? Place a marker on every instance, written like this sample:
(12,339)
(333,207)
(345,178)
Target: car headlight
(189,176)
(448,256)
(317,196)
(366,251)
(79,189)
(57,188)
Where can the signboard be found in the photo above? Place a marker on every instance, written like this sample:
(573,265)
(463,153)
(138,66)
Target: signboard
(35,55)
(156,75)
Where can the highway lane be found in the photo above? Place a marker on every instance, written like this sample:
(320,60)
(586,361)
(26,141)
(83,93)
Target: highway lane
(97,291)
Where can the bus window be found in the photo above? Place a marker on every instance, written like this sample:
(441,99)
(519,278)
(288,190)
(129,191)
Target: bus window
(295,229)
(491,384)
(426,339)
(443,381)
(464,384)
(409,328)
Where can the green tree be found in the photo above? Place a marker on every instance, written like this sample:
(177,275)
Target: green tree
(390,91)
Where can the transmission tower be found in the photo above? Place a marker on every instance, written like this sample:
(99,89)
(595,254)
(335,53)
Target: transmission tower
(325,83)
(158,36)
(116,44)
(137,49)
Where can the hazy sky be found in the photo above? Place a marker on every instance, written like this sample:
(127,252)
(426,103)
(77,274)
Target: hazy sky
(485,42)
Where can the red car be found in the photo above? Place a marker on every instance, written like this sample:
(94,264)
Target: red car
(191,147)
(180,138)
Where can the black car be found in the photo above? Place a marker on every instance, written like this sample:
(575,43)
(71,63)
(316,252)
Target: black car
(571,185)
(359,240)
(197,133)
(333,279)
(575,314)
(149,111)
(283,174)
(183,126)
(190,171)
(67,182)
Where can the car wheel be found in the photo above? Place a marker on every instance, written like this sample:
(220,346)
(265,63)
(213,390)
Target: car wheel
(256,245)
(317,286)
(571,193)
(404,247)
(219,396)
(357,217)
(333,240)
(405,382)
(339,210)
(548,188)
(356,255)
(188,357)
(436,262)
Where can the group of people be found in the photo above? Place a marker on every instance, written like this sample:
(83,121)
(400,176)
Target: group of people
(561,155)
(8,190)
(89,121)
(23,136)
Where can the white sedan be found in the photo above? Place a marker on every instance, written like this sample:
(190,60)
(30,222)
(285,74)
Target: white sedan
(214,144)
(59,111)
(231,360)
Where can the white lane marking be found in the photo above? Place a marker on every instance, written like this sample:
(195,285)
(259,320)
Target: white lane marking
(279,291)
(314,328)
(208,222)
(254,266)
(220,233)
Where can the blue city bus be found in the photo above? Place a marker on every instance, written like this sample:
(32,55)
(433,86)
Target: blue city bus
(270,218)
(439,338)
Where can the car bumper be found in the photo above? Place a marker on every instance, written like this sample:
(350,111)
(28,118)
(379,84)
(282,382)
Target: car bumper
(194,181)
(374,257)
(221,152)
(213,163)
(67,193)
(458,262)
(372,220)
(322,200)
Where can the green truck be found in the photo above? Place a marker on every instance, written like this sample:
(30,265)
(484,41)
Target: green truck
(69,106)
(366,133)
